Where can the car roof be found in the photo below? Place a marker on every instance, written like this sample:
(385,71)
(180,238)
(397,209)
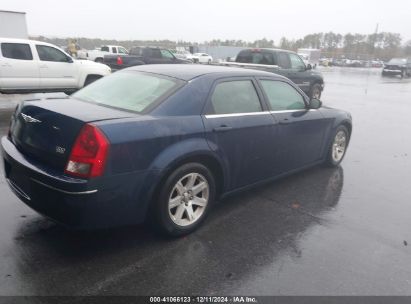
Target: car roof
(268,49)
(190,71)
(15,40)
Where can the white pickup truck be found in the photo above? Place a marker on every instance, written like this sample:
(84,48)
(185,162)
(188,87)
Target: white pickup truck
(98,55)
(34,66)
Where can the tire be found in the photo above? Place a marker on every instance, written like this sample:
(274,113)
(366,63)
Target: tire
(334,153)
(315,91)
(172,206)
(99,60)
(90,79)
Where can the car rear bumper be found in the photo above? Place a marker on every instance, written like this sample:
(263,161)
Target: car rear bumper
(76,203)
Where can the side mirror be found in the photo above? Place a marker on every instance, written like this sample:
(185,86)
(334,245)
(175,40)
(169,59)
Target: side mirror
(69,60)
(315,103)
(309,67)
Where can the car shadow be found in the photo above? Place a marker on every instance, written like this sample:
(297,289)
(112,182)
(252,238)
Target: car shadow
(244,233)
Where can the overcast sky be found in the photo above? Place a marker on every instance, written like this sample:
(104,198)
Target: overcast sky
(199,20)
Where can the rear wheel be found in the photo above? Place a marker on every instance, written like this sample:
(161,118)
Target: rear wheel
(99,60)
(338,147)
(184,200)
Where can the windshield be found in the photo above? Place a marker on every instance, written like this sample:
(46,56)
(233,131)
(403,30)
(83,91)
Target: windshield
(397,61)
(129,90)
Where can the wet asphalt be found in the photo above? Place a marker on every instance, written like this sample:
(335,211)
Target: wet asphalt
(341,231)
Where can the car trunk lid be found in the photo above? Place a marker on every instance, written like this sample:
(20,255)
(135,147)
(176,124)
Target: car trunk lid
(45,130)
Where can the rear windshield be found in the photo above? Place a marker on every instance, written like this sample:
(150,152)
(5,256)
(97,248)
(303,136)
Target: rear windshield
(129,90)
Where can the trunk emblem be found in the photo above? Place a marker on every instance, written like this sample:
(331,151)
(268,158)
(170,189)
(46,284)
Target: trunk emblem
(29,118)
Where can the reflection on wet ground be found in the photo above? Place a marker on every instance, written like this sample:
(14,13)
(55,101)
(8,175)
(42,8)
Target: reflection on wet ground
(323,231)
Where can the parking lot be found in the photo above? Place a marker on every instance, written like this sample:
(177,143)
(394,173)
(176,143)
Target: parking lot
(340,231)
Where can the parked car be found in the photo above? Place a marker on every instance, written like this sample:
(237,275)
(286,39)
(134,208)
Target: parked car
(186,55)
(142,55)
(285,63)
(165,141)
(97,55)
(202,58)
(34,66)
(398,66)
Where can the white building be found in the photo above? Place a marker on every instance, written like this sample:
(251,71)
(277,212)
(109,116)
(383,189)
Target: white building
(13,25)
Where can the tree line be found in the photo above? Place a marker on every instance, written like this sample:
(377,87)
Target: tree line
(384,45)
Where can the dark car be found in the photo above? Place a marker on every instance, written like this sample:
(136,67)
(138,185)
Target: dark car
(397,66)
(142,55)
(288,64)
(164,142)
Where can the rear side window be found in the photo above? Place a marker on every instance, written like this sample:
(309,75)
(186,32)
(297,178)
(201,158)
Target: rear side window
(282,96)
(105,49)
(235,97)
(256,57)
(19,51)
(114,50)
(130,90)
(47,53)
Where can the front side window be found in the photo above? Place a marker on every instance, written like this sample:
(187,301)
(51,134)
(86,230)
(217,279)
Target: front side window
(282,96)
(105,49)
(296,62)
(130,90)
(235,97)
(284,60)
(19,51)
(47,53)
(166,54)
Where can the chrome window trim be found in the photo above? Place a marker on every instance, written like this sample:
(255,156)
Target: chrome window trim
(236,114)
(63,191)
(291,111)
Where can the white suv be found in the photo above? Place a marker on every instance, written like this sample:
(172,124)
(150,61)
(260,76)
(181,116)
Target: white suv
(34,66)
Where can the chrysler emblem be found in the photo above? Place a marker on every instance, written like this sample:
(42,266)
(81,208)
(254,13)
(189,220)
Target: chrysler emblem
(29,118)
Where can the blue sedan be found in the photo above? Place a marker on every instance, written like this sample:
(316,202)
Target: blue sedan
(163,142)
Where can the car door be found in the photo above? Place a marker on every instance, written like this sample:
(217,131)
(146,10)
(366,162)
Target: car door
(167,57)
(19,69)
(298,72)
(57,69)
(301,131)
(240,129)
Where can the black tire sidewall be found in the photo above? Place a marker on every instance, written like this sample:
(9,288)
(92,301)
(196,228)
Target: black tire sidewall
(163,220)
(330,161)
(314,87)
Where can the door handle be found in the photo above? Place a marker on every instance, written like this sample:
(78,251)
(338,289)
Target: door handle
(222,128)
(43,66)
(285,121)
(7,65)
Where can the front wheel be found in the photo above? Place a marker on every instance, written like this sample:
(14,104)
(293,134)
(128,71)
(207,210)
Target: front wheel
(184,199)
(315,91)
(338,147)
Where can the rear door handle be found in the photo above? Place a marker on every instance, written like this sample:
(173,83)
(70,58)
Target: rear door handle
(222,128)
(285,121)
(8,65)
(43,66)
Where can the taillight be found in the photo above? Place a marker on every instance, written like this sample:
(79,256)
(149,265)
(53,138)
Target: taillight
(89,153)
(119,60)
